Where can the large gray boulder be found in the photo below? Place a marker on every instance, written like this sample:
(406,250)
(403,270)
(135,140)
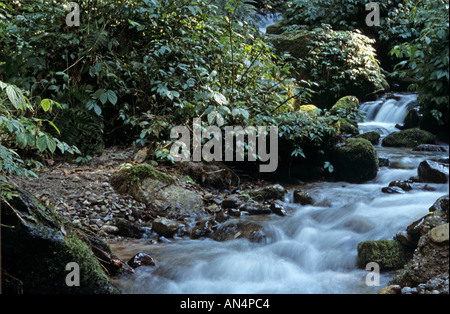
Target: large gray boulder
(159,191)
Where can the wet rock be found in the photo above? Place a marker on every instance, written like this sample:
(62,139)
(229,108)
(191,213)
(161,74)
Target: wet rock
(277,208)
(40,245)
(236,229)
(128,229)
(235,212)
(165,227)
(141,259)
(275,191)
(355,161)
(408,138)
(372,136)
(258,209)
(203,228)
(431,255)
(434,172)
(393,190)
(383,162)
(302,198)
(231,201)
(441,207)
(389,254)
(430,148)
(391,289)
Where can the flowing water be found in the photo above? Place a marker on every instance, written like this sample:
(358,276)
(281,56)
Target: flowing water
(267,18)
(311,250)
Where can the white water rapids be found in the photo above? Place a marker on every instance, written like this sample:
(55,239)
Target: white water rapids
(311,250)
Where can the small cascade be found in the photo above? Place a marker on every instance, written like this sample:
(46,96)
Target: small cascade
(265,19)
(385,113)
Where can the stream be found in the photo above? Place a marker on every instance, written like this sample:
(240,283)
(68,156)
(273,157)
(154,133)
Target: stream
(313,248)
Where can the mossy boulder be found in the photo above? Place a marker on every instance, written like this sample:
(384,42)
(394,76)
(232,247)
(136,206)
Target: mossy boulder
(372,136)
(388,254)
(346,126)
(345,105)
(38,244)
(276,29)
(409,138)
(159,191)
(355,160)
(310,110)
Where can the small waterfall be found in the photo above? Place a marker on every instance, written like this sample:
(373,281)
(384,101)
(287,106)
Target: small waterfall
(385,113)
(265,19)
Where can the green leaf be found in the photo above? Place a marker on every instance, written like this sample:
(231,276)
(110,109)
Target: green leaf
(112,97)
(41,143)
(46,104)
(51,144)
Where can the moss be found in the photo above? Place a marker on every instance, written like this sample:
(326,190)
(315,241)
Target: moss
(310,110)
(355,161)
(408,138)
(276,28)
(142,171)
(372,136)
(347,127)
(388,254)
(345,104)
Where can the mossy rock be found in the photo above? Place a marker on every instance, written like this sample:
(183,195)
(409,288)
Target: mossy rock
(356,160)
(276,29)
(388,254)
(347,127)
(409,138)
(310,110)
(372,136)
(157,190)
(345,105)
(38,244)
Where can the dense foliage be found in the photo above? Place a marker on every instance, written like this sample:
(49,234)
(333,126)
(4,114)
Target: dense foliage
(134,69)
(427,62)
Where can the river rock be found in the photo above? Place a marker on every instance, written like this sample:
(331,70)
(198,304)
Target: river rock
(39,243)
(302,198)
(430,148)
(275,191)
(431,255)
(141,259)
(372,136)
(439,234)
(441,207)
(389,254)
(236,229)
(355,161)
(165,227)
(278,208)
(434,172)
(158,191)
(110,229)
(391,289)
(408,138)
(128,228)
(203,228)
